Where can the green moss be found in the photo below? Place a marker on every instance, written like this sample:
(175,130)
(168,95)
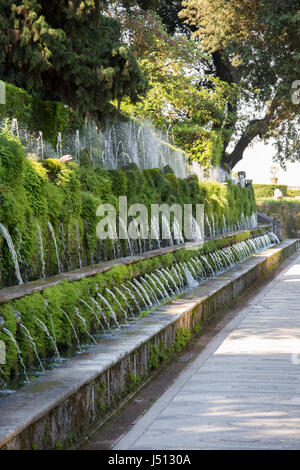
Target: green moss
(100,389)
(58,445)
(182,337)
(153,362)
(11,169)
(157,355)
(56,303)
(46,438)
(134,382)
(34,193)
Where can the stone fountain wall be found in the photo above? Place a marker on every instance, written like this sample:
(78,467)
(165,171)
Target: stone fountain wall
(48,221)
(39,319)
(76,398)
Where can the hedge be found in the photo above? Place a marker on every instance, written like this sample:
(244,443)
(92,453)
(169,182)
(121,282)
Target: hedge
(267,190)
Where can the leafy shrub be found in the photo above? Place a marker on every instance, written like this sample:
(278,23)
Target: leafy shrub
(50,117)
(293,192)
(201,145)
(267,190)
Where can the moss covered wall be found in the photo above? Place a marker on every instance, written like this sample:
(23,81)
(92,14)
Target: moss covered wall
(76,414)
(67,195)
(55,303)
(285,212)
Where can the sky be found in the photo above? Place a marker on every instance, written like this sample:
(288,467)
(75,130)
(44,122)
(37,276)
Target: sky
(257,162)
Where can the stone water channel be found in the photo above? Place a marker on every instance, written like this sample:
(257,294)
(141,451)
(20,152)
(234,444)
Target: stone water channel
(61,408)
(117,307)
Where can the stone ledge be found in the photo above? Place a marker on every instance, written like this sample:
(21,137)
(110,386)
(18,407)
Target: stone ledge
(74,396)
(16,292)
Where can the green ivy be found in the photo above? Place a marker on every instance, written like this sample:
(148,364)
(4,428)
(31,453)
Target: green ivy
(33,192)
(50,117)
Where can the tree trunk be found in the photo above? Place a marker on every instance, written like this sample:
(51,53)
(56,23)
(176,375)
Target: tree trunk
(256,127)
(229,74)
(252,130)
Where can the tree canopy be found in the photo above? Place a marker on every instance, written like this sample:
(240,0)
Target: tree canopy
(220,71)
(173,66)
(67,51)
(254,44)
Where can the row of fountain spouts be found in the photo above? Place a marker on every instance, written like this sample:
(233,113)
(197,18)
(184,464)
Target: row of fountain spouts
(142,144)
(145,292)
(132,246)
(245,223)
(15,258)
(122,144)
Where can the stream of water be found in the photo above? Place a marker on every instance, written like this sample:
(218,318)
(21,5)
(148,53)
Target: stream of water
(143,292)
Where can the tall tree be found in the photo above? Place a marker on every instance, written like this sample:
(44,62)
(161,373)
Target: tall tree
(173,66)
(255,45)
(67,50)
